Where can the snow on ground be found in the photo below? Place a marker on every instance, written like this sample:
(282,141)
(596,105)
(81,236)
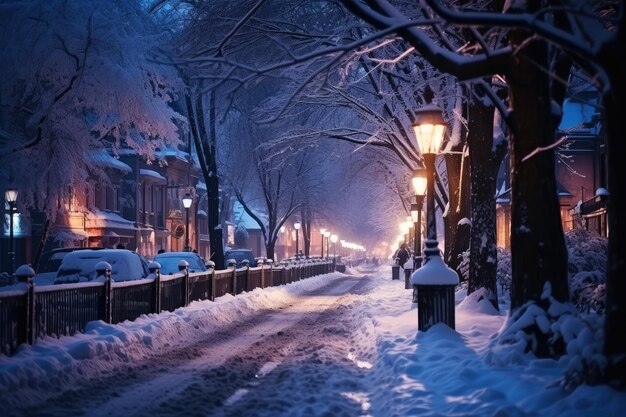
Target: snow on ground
(441,372)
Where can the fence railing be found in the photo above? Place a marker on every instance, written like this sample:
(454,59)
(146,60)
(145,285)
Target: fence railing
(32,312)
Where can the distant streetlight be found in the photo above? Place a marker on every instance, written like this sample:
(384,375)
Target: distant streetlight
(327,235)
(10,195)
(187,200)
(296,226)
(404,231)
(434,282)
(333,238)
(322,231)
(419,186)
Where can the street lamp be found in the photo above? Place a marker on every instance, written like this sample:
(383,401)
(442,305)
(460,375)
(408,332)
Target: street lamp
(10,195)
(419,186)
(327,235)
(322,231)
(187,200)
(434,282)
(296,226)
(429,130)
(333,238)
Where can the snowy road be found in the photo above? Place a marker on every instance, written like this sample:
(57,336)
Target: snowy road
(273,362)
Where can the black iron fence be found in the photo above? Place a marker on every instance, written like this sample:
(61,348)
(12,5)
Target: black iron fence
(32,312)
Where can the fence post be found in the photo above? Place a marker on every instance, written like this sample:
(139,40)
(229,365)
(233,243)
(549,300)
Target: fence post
(155,268)
(233,263)
(211,266)
(183,265)
(104,269)
(246,264)
(260,263)
(25,274)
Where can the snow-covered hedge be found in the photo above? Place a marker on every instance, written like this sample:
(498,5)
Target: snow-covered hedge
(586,265)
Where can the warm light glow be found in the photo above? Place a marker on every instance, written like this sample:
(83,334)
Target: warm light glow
(323,231)
(409,221)
(327,233)
(333,238)
(187,200)
(10,195)
(419,181)
(296,225)
(429,128)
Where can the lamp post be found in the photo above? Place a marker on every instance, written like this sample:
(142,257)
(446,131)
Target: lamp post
(429,130)
(327,235)
(322,231)
(10,195)
(419,186)
(187,200)
(333,238)
(296,226)
(434,282)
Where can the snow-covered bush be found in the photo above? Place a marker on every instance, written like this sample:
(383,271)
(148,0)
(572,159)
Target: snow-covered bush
(587,251)
(587,269)
(503,274)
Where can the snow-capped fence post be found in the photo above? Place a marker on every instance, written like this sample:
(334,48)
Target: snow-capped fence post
(25,274)
(260,263)
(246,264)
(211,266)
(268,273)
(104,269)
(155,268)
(433,290)
(233,264)
(183,266)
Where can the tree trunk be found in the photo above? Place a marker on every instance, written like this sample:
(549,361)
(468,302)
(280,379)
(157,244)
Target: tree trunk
(205,146)
(614,343)
(484,169)
(457,236)
(539,255)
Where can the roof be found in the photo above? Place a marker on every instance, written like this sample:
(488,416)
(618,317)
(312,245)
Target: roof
(240,217)
(105,160)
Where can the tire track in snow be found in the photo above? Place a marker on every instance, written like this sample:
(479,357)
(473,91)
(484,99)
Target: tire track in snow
(222,369)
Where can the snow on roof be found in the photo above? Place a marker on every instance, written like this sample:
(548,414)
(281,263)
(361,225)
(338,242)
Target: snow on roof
(202,213)
(104,159)
(201,185)
(98,218)
(70,235)
(151,173)
(172,153)
(240,217)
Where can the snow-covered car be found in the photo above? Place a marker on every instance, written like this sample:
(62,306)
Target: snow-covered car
(79,266)
(169,261)
(49,264)
(239,255)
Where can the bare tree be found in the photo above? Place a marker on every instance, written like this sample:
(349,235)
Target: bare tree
(84,86)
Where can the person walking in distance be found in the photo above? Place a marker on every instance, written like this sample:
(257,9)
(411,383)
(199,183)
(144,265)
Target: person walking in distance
(402,254)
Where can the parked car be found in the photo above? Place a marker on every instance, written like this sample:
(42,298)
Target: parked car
(239,255)
(169,261)
(79,265)
(49,264)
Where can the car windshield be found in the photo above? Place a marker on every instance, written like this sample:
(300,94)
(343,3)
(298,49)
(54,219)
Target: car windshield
(52,263)
(169,262)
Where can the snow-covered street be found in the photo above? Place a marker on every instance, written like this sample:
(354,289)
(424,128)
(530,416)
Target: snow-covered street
(333,345)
